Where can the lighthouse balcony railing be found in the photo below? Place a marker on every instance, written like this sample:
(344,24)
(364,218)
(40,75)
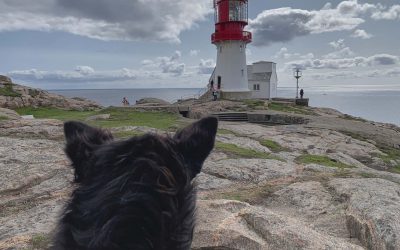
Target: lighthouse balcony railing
(219,37)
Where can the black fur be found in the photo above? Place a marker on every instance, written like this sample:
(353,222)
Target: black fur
(133,194)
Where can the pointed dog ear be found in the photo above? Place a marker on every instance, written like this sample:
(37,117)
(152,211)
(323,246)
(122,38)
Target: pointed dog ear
(81,140)
(196,141)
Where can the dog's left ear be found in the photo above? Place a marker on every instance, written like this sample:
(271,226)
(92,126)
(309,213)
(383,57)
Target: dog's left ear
(81,141)
(196,141)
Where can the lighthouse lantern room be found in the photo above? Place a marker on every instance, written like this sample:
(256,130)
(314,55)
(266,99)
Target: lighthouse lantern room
(230,38)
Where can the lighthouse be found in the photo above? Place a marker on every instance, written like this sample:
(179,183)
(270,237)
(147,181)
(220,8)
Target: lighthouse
(230,38)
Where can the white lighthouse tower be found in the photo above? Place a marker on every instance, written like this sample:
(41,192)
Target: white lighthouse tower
(230,75)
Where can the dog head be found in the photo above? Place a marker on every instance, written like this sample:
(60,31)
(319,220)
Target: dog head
(135,193)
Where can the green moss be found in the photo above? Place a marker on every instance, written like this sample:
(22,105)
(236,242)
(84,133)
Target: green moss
(352,118)
(253,195)
(273,146)
(251,103)
(3,118)
(239,152)
(39,241)
(128,117)
(8,91)
(367,175)
(222,131)
(289,108)
(320,160)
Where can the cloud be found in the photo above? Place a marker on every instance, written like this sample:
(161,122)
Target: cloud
(339,44)
(155,20)
(284,53)
(80,74)
(285,24)
(361,34)
(206,67)
(194,52)
(344,63)
(391,14)
(168,65)
(393,72)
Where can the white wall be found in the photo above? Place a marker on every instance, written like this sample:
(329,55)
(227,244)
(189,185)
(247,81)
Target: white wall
(231,66)
(264,74)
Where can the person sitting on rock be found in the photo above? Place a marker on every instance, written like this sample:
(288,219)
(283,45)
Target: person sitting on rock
(125,101)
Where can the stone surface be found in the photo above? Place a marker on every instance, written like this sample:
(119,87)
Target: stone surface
(373,213)
(224,224)
(9,114)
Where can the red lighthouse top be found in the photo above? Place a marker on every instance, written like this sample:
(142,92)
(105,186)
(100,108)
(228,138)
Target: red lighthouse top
(231,16)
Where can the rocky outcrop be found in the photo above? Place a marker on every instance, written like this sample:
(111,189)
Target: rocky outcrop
(8,114)
(22,96)
(373,212)
(224,224)
(244,202)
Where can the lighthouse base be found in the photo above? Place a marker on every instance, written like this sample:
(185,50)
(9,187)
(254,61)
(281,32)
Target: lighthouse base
(235,95)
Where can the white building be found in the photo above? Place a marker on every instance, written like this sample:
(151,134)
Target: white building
(263,80)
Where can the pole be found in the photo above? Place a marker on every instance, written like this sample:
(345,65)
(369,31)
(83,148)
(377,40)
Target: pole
(297,90)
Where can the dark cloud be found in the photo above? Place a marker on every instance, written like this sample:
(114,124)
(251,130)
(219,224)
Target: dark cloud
(105,19)
(285,24)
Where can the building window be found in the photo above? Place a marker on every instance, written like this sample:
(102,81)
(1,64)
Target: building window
(256,87)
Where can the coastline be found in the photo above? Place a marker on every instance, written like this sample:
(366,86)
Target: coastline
(329,181)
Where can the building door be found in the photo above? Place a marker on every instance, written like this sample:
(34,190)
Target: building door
(219,82)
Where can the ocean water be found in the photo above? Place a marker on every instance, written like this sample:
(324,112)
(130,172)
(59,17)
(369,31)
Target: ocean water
(375,105)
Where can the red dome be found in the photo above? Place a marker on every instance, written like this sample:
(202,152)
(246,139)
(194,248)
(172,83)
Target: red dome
(231,16)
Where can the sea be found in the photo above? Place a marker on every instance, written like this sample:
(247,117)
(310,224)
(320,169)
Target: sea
(374,105)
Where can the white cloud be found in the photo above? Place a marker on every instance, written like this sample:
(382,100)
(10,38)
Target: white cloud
(285,24)
(284,53)
(361,34)
(392,13)
(194,52)
(206,66)
(339,44)
(344,63)
(168,65)
(342,53)
(158,20)
(80,74)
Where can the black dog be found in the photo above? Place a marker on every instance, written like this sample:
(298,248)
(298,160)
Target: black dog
(133,194)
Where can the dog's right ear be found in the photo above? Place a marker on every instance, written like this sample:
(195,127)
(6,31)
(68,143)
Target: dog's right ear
(81,140)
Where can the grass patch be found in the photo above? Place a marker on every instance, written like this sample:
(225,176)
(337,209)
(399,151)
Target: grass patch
(239,152)
(119,117)
(251,103)
(8,91)
(128,117)
(289,108)
(368,175)
(3,118)
(321,160)
(222,131)
(273,146)
(352,118)
(39,241)
(253,195)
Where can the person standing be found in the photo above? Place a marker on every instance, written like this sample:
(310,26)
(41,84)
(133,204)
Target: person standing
(301,93)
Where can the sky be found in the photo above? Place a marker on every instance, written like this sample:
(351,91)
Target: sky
(104,44)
